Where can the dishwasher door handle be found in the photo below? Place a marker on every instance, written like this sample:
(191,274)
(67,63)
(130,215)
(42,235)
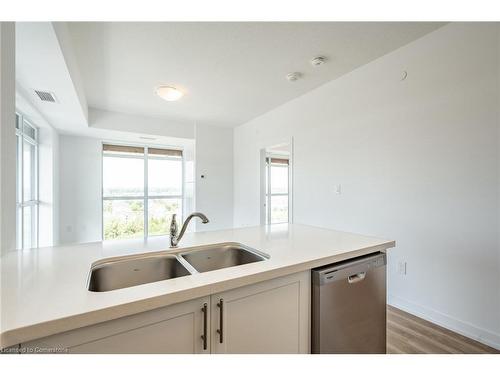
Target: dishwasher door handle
(356,278)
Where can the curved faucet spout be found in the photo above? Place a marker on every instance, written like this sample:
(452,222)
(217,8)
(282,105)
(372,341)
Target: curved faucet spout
(174,237)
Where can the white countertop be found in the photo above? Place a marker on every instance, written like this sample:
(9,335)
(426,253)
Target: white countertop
(44,291)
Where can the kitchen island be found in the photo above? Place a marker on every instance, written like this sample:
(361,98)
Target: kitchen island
(45,291)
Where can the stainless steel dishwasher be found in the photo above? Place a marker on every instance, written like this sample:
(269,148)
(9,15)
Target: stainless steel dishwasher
(349,306)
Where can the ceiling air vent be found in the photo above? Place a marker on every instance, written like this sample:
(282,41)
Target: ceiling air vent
(46,96)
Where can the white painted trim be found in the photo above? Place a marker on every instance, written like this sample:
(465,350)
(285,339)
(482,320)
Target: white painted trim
(466,329)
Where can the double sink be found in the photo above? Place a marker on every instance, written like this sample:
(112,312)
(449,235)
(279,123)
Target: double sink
(124,272)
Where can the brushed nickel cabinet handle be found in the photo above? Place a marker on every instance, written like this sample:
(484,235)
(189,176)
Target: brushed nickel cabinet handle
(220,331)
(204,336)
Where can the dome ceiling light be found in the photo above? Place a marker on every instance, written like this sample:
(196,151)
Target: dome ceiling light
(169,93)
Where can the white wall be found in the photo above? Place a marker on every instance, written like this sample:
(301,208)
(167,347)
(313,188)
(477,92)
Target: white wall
(80,166)
(7,138)
(139,124)
(418,163)
(214,160)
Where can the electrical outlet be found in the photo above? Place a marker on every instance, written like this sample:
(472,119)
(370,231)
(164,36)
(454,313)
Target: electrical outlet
(402,268)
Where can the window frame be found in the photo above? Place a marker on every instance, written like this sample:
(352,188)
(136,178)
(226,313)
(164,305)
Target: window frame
(21,137)
(269,194)
(145,197)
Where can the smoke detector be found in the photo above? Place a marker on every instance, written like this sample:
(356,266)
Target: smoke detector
(292,77)
(318,60)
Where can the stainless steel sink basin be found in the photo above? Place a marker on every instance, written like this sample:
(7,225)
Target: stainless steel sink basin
(217,256)
(123,272)
(134,270)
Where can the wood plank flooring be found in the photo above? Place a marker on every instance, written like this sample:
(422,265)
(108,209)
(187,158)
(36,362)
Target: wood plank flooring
(408,334)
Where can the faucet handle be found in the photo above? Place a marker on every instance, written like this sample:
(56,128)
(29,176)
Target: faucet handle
(173,225)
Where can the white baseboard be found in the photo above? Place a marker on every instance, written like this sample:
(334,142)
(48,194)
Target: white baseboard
(479,334)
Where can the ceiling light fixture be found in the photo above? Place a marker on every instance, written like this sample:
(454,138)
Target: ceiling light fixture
(169,93)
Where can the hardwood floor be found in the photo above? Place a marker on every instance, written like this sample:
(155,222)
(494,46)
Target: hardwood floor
(408,334)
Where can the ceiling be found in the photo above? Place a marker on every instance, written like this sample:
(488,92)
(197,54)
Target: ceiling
(230,72)
(41,65)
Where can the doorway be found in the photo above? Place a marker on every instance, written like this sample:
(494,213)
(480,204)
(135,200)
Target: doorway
(276,184)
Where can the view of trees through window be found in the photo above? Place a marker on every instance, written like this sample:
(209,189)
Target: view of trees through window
(142,189)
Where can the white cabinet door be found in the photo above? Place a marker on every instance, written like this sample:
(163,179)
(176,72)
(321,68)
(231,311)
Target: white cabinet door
(268,317)
(173,329)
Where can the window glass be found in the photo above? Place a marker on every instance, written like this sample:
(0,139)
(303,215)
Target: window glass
(26,184)
(29,130)
(123,176)
(279,209)
(277,190)
(19,162)
(160,213)
(29,218)
(123,219)
(128,186)
(19,225)
(29,176)
(279,179)
(164,176)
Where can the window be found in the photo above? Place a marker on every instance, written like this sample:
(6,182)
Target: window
(142,188)
(26,184)
(276,190)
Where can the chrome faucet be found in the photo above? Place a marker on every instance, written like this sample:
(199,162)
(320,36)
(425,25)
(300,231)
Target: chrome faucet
(174,238)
